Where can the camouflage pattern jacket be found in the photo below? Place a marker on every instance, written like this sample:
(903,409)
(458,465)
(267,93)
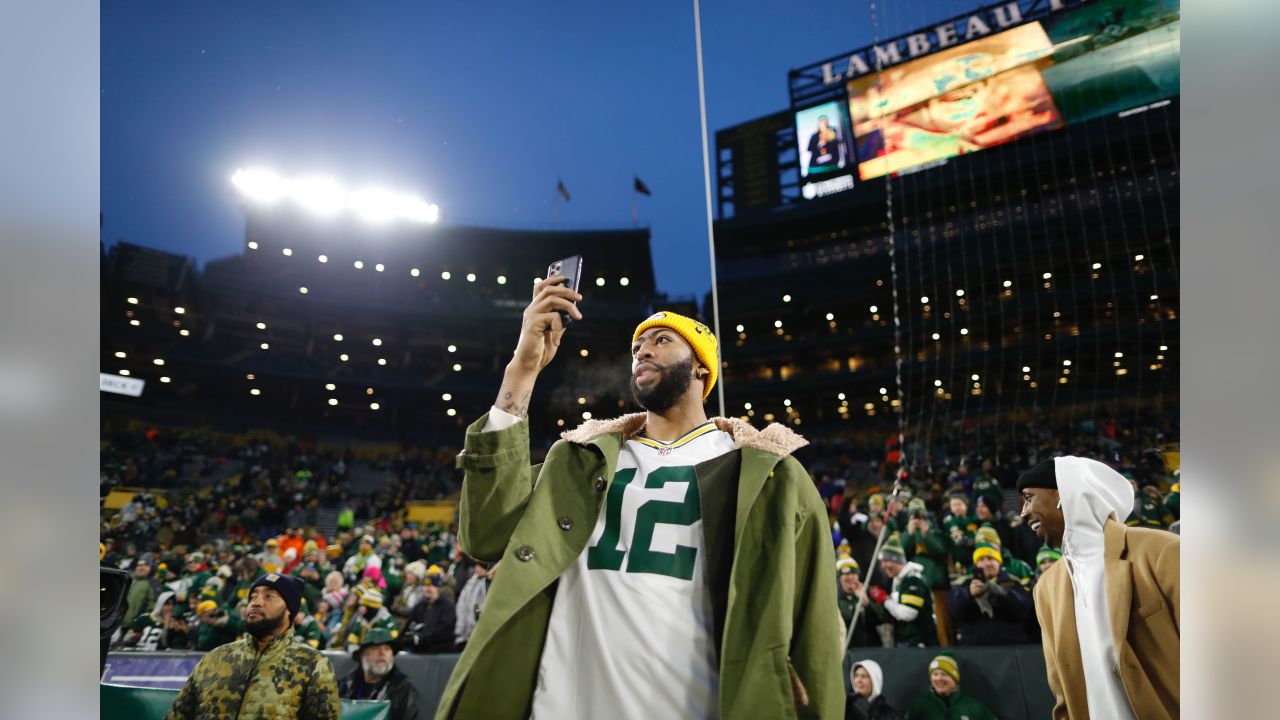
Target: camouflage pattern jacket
(286,680)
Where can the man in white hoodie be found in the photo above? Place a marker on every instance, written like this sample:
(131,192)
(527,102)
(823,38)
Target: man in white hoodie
(1109,611)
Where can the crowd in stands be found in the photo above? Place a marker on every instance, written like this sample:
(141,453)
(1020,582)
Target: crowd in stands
(956,566)
(411,582)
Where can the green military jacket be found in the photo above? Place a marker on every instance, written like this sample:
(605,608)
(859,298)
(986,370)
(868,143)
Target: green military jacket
(234,681)
(770,565)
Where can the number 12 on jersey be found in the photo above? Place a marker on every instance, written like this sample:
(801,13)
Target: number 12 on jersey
(606,555)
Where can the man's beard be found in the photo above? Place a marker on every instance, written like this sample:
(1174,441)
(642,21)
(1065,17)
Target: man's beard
(376,668)
(673,382)
(267,625)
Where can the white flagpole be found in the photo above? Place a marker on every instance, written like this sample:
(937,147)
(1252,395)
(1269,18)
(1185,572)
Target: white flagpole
(706,181)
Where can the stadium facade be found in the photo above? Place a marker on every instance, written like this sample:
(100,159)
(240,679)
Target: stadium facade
(1022,180)
(398,333)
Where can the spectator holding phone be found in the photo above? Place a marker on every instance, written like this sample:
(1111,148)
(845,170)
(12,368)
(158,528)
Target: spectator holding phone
(990,606)
(636,627)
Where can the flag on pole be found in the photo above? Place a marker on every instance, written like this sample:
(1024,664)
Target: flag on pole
(560,188)
(642,188)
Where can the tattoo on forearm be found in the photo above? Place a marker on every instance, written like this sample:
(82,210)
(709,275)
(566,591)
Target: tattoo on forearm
(518,407)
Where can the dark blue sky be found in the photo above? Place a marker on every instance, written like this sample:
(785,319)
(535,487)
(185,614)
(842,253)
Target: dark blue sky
(475,106)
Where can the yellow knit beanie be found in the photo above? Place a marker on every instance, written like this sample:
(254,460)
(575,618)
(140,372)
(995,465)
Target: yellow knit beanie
(699,337)
(946,664)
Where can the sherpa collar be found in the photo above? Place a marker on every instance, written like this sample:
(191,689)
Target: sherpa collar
(775,439)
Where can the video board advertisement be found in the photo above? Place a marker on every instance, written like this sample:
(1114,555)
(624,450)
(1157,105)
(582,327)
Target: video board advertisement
(960,100)
(825,150)
(823,138)
(1100,58)
(1114,55)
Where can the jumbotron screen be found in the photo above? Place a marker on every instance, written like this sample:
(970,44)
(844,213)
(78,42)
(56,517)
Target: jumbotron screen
(1100,58)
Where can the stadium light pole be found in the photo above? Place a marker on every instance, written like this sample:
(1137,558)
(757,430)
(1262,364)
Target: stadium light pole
(706,182)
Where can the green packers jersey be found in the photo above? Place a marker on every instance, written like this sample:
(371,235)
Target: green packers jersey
(152,637)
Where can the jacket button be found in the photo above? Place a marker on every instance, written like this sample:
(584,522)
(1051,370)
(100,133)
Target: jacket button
(524,553)
(566,522)
(600,483)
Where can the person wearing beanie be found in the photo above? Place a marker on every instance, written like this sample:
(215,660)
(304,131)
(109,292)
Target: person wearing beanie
(863,546)
(412,592)
(1046,558)
(648,510)
(270,558)
(264,673)
(195,572)
(216,625)
(364,557)
(866,702)
(909,607)
(960,526)
(989,606)
(1109,612)
(312,569)
(850,594)
(376,677)
(1019,570)
(945,700)
(985,485)
(368,614)
(432,621)
(988,513)
(926,545)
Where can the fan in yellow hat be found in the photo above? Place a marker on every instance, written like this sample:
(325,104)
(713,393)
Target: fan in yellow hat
(700,339)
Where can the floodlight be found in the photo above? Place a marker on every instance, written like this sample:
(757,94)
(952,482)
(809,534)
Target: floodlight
(412,208)
(260,185)
(374,205)
(321,195)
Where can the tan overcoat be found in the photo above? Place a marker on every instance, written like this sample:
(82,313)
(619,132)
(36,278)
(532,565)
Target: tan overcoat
(1142,597)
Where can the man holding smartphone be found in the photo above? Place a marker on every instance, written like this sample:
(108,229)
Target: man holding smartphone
(659,564)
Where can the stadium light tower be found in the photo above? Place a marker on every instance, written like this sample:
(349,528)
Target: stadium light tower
(261,186)
(326,197)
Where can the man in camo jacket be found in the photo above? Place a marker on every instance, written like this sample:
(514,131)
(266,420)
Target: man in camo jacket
(265,673)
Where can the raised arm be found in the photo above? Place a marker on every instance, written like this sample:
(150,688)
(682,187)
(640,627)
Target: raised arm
(495,457)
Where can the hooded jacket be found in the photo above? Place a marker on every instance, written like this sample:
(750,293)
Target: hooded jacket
(770,565)
(877,708)
(1109,610)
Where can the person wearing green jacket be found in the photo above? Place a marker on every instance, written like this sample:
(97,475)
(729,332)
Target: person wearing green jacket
(926,545)
(945,700)
(141,594)
(960,526)
(659,564)
(850,595)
